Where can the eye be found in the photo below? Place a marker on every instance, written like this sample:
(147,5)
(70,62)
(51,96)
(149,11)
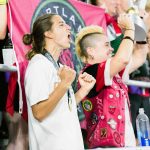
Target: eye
(107,44)
(62,24)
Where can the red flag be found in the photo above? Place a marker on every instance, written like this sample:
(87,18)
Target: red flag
(22,14)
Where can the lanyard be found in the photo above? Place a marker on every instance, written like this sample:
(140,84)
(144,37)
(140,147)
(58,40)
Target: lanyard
(51,59)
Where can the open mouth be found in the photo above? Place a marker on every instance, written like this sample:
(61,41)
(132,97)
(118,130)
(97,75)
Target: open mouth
(69,37)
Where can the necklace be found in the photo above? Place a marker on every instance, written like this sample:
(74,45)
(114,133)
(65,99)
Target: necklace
(56,65)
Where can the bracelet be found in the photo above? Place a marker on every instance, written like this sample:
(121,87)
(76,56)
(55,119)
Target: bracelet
(141,42)
(130,29)
(3,2)
(129,38)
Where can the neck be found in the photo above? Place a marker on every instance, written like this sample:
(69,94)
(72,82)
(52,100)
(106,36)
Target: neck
(90,62)
(55,52)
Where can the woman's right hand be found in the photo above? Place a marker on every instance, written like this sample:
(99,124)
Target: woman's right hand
(67,75)
(125,22)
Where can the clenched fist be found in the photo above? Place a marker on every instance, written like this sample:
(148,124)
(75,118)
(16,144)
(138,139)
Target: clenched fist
(86,81)
(67,75)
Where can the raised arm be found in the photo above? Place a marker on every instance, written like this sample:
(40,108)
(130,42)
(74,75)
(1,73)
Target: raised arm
(124,53)
(139,56)
(141,51)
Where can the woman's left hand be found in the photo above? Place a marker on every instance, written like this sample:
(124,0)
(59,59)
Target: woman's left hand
(86,81)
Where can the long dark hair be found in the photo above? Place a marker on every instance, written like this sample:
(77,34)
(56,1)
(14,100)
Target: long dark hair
(36,38)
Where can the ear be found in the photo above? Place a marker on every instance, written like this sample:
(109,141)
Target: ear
(90,51)
(48,34)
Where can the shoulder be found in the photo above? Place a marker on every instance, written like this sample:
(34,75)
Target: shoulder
(39,62)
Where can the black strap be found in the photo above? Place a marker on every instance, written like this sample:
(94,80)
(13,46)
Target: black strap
(50,58)
(129,38)
(56,65)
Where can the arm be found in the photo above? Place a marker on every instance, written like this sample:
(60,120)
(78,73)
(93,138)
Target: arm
(3,22)
(87,82)
(124,53)
(148,40)
(139,56)
(42,109)
(141,52)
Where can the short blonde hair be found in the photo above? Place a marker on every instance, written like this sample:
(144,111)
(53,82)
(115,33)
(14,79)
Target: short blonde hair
(148,6)
(89,30)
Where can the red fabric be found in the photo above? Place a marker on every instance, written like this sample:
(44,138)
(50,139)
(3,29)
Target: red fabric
(11,93)
(100,77)
(111,20)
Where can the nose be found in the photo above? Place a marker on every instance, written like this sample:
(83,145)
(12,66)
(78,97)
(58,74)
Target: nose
(68,27)
(111,49)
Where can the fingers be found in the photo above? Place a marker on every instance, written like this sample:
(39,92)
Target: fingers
(87,77)
(66,69)
(125,21)
(66,74)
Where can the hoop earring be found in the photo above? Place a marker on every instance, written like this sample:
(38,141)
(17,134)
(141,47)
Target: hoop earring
(92,57)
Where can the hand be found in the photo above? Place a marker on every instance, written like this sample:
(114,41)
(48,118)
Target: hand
(86,81)
(67,75)
(125,22)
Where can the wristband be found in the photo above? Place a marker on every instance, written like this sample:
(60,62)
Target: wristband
(141,42)
(3,2)
(129,38)
(130,29)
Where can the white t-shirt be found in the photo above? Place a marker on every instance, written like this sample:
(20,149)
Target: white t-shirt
(129,133)
(60,130)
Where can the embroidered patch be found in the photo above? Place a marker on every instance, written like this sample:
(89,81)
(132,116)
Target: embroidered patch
(87,105)
(112,123)
(117,137)
(94,118)
(103,133)
(112,109)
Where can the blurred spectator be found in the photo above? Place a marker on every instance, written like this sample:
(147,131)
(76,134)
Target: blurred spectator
(140,96)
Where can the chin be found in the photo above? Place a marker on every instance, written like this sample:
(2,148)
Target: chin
(67,46)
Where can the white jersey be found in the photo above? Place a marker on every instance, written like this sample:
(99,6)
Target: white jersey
(61,129)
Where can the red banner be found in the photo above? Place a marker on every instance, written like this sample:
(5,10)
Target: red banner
(22,14)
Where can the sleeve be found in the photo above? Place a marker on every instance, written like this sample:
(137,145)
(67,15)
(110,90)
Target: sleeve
(37,84)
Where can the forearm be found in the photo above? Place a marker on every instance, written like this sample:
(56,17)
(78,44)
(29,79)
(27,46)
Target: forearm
(139,56)
(44,108)
(123,55)
(126,47)
(80,94)
(3,23)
